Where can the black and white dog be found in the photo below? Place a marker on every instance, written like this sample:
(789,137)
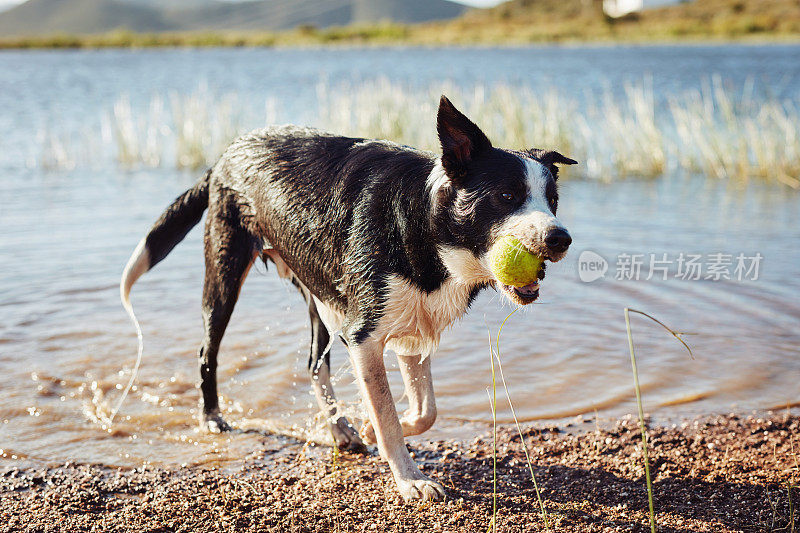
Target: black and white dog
(387,244)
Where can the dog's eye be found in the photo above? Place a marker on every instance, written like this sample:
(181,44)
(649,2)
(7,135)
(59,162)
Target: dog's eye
(507,197)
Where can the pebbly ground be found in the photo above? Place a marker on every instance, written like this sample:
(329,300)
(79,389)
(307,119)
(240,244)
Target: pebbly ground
(719,474)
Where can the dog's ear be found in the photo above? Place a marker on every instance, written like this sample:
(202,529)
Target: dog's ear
(461,139)
(551,158)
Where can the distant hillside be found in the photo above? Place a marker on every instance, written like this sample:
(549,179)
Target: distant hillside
(413,22)
(172,4)
(77,16)
(583,20)
(261,15)
(40,17)
(409,11)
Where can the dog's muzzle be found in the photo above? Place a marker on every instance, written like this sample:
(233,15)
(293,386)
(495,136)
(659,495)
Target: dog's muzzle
(557,240)
(552,247)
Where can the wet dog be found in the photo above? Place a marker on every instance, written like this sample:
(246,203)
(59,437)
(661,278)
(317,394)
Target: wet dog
(387,244)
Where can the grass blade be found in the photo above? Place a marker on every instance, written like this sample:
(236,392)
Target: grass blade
(493,522)
(789,487)
(641,423)
(638,390)
(496,355)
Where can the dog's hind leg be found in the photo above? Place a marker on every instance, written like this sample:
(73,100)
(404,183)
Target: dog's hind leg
(230,251)
(319,367)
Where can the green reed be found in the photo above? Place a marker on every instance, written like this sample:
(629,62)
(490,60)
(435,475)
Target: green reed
(719,132)
(494,355)
(493,402)
(638,390)
(789,486)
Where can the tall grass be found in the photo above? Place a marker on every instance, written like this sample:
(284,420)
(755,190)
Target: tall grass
(494,356)
(56,151)
(717,131)
(721,133)
(138,138)
(184,131)
(735,135)
(789,486)
(204,126)
(638,390)
(493,403)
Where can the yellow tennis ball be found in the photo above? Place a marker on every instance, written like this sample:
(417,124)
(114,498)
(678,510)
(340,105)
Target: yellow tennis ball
(512,263)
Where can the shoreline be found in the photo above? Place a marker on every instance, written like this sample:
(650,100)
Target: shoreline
(515,22)
(79,43)
(719,473)
(380,36)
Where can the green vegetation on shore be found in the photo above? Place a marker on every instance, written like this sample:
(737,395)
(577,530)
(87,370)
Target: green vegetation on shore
(384,33)
(718,131)
(514,22)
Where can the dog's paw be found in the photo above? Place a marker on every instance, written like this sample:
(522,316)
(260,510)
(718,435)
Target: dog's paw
(412,424)
(420,489)
(346,436)
(214,423)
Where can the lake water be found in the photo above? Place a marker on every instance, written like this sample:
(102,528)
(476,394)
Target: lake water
(66,345)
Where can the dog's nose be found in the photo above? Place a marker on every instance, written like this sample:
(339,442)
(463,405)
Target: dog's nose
(557,240)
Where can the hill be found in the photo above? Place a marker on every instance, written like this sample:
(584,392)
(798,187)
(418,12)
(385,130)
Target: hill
(261,23)
(42,17)
(571,20)
(37,17)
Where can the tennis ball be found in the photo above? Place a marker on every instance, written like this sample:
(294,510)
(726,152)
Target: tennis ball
(512,263)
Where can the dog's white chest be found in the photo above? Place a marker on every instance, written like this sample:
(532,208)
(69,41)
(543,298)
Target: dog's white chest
(413,321)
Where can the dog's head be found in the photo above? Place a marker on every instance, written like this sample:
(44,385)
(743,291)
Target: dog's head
(481,194)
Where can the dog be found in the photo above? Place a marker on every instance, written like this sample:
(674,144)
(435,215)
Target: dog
(387,244)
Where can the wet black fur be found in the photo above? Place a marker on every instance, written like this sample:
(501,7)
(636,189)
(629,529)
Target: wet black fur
(344,214)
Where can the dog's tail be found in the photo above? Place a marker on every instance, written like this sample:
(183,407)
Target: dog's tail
(170,229)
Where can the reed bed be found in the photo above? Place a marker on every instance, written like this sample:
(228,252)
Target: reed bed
(727,134)
(717,131)
(185,130)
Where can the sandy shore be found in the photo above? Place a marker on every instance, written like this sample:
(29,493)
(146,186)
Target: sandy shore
(720,474)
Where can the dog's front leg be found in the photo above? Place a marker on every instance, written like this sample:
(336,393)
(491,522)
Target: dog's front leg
(421,412)
(370,372)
